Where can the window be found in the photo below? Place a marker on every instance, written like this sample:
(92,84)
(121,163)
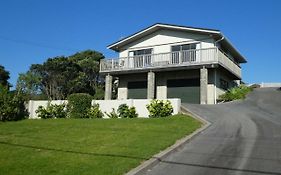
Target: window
(224,84)
(142,52)
(183,53)
(141,58)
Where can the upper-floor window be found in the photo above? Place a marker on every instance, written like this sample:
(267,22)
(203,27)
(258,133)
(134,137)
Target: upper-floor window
(141,58)
(183,47)
(183,53)
(141,52)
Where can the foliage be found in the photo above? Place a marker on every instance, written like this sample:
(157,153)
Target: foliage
(235,93)
(125,112)
(4,77)
(12,105)
(253,86)
(78,105)
(61,76)
(112,114)
(29,84)
(159,108)
(52,111)
(94,112)
(87,137)
(99,92)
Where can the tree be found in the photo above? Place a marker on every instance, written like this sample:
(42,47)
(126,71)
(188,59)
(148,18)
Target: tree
(61,76)
(89,62)
(4,77)
(30,84)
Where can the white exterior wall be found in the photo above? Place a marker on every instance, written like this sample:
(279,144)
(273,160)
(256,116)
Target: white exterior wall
(107,105)
(162,40)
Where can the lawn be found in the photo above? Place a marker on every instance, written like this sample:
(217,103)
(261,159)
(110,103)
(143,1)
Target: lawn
(86,146)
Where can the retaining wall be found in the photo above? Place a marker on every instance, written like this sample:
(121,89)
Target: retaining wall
(106,105)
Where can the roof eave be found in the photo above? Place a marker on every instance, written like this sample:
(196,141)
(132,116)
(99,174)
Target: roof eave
(114,46)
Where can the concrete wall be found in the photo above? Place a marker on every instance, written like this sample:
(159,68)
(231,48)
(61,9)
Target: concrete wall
(107,105)
(162,40)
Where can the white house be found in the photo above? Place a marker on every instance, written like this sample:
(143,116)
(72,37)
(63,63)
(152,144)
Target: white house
(170,61)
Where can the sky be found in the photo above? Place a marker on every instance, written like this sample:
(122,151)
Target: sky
(32,31)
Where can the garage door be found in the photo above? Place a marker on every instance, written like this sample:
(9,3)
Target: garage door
(137,90)
(188,90)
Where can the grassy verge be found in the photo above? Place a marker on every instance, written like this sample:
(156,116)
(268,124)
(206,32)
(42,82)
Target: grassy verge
(83,146)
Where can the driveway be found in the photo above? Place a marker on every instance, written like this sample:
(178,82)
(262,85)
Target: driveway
(244,138)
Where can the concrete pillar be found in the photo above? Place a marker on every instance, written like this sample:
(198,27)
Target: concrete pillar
(161,87)
(108,87)
(122,89)
(150,85)
(203,85)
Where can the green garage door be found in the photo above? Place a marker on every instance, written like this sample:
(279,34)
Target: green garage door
(188,90)
(137,90)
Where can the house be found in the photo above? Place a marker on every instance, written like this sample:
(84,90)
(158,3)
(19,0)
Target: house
(170,61)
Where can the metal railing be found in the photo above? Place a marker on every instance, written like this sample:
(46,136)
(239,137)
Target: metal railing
(169,59)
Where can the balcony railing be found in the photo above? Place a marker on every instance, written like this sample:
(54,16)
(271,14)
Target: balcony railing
(170,59)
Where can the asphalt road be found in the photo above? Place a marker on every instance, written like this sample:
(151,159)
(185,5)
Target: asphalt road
(244,138)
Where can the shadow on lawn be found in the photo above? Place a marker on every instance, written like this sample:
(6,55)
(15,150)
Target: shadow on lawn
(141,158)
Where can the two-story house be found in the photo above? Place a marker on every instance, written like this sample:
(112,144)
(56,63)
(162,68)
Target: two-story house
(170,61)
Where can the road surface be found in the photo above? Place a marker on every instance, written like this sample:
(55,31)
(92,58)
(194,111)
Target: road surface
(244,138)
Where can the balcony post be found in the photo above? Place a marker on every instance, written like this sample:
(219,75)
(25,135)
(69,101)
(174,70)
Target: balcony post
(108,87)
(180,56)
(150,85)
(203,85)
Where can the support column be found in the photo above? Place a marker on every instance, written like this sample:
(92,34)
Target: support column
(150,85)
(203,85)
(108,87)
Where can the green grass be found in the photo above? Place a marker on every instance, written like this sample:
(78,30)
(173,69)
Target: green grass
(86,146)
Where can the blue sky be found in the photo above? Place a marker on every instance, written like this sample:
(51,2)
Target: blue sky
(32,31)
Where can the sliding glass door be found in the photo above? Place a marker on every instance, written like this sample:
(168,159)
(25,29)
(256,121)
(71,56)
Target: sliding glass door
(183,53)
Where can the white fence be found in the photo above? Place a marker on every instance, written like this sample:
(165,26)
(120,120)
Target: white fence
(106,105)
(264,85)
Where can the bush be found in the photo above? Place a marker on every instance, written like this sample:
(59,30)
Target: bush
(235,93)
(125,112)
(78,105)
(159,108)
(12,105)
(112,114)
(94,112)
(51,111)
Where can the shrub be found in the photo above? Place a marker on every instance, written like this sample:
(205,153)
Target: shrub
(235,93)
(78,105)
(112,114)
(159,108)
(51,111)
(12,105)
(125,112)
(132,113)
(95,112)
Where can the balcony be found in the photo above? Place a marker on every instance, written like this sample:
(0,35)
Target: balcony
(170,59)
